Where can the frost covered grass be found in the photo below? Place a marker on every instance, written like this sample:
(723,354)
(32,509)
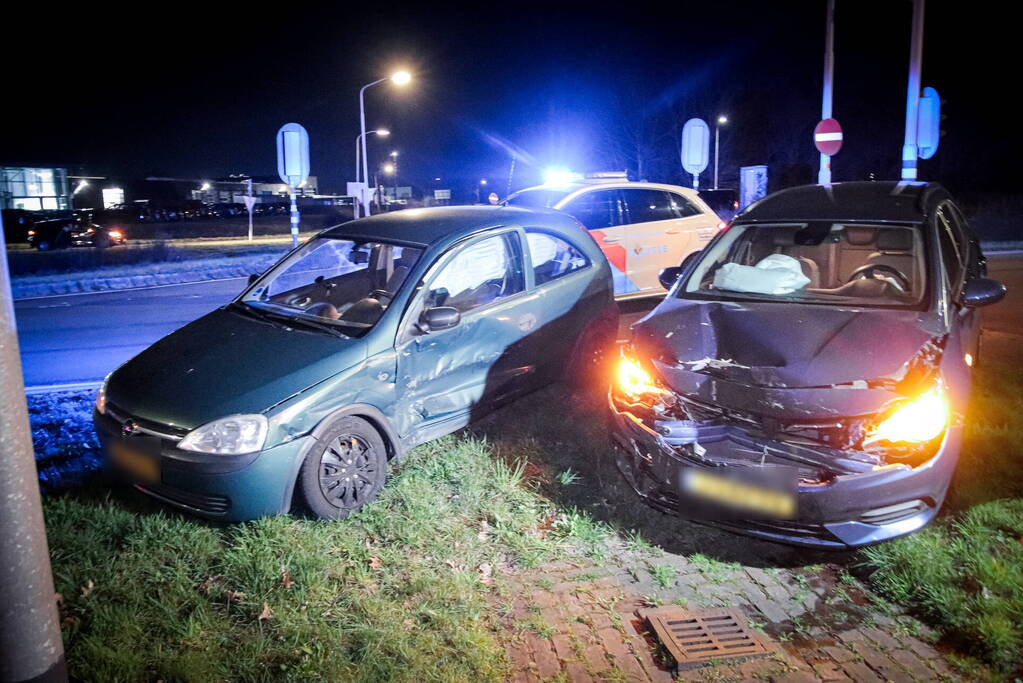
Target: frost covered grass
(66,447)
(109,269)
(965,572)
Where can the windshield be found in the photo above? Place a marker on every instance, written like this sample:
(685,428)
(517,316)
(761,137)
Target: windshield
(343,283)
(538,197)
(819,262)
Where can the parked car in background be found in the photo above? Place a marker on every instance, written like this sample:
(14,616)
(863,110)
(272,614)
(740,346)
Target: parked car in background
(642,228)
(372,337)
(723,201)
(77,231)
(807,376)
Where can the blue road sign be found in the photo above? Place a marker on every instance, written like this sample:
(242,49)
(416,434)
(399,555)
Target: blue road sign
(293,154)
(928,124)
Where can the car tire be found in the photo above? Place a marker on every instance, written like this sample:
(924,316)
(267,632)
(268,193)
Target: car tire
(345,470)
(589,362)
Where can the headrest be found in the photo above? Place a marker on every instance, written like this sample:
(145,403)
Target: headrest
(784,237)
(859,236)
(895,239)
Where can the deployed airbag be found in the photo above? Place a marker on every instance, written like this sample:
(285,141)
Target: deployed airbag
(775,274)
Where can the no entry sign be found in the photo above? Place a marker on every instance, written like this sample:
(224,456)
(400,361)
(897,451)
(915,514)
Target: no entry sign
(827,137)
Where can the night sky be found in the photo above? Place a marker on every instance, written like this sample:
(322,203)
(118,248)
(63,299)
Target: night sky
(191,91)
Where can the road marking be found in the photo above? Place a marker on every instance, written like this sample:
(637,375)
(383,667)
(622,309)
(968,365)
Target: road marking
(132,289)
(68,386)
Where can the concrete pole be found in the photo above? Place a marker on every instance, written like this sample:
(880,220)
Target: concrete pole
(916,50)
(249,184)
(30,641)
(824,175)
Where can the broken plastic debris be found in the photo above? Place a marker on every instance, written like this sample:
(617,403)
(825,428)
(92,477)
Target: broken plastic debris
(775,274)
(703,363)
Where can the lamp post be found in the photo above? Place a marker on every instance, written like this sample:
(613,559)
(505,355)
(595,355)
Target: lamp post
(479,190)
(394,176)
(359,140)
(722,120)
(398,78)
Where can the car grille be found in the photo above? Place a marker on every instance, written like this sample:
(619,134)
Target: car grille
(164,431)
(199,502)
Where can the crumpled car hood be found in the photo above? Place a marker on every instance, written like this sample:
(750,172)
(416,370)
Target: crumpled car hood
(784,345)
(226,363)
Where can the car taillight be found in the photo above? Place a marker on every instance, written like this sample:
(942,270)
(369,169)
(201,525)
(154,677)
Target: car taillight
(723,225)
(116,234)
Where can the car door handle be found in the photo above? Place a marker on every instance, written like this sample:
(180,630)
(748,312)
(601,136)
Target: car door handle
(611,240)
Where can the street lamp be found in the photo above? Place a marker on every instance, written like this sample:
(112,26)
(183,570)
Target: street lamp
(399,78)
(382,132)
(722,120)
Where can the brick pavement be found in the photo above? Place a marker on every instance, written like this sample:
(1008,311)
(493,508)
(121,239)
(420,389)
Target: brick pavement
(581,621)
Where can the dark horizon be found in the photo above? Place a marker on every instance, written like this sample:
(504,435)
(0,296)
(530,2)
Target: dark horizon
(202,96)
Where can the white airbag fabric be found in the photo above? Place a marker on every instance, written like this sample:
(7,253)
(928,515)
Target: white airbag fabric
(776,274)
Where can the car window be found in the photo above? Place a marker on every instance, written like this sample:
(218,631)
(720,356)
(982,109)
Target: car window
(952,253)
(682,207)
(644,206)
(479,274)
(552,256)
(596,210)
(818,263)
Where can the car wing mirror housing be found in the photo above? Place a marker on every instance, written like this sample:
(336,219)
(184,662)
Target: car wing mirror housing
(669,275)
(439,318)
(982,291)
(253,277)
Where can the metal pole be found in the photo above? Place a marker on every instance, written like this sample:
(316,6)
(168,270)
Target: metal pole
(249,182)
(696,181)
(358,172)
(824,175)
(294,217)
(717,140)
(511,172)
(362,128)
(30,642)
(916,49)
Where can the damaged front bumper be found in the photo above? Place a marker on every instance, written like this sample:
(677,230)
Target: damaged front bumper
(837,500)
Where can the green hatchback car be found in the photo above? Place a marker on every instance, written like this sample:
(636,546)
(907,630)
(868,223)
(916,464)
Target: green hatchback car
(372,337)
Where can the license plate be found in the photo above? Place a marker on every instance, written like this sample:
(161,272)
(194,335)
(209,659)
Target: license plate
(739,495)
(142,466)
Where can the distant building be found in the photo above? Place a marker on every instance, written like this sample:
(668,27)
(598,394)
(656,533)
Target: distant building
(266,188)
(34,188)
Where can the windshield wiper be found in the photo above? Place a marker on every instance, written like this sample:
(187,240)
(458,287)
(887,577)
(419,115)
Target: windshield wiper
(326,327)
(260,314)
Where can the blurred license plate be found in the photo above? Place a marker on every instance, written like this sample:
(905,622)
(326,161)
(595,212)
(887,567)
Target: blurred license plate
(145,467)
(738,495)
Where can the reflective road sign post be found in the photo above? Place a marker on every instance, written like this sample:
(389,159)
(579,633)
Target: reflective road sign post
(293,165)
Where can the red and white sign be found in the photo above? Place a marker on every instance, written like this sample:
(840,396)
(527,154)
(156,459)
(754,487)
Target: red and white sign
(827,137)
(493,198)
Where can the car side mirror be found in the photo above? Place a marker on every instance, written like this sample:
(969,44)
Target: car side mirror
(669,275)
(253,277)
(439,318)
(981,291)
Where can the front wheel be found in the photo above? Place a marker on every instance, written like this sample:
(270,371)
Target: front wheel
(345,470)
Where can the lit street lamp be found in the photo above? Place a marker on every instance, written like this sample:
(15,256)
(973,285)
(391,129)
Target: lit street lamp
(398,78)
(722,120)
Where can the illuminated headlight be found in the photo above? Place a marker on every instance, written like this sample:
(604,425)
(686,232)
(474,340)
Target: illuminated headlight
(101,397)
(918,421)
(234,435)
(634,380)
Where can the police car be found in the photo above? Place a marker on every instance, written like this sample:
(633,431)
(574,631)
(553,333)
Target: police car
(641,227)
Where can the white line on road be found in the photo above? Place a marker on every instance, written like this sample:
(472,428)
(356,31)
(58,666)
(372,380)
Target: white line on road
(68,386)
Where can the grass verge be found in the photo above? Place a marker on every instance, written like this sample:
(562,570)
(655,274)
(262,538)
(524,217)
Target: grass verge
(396,593)
(965,572)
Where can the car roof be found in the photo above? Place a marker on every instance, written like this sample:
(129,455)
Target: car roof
(880,201)
(573,190)
(444,224)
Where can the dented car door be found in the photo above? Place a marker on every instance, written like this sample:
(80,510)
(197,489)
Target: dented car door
(445,375)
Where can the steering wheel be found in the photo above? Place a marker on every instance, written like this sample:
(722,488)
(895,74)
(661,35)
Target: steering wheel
(901,281)
(379,294)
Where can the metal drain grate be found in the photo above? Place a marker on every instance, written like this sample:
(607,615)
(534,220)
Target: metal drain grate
(698,636)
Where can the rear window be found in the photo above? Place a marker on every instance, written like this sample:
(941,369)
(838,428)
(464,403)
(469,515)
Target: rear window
(552,256)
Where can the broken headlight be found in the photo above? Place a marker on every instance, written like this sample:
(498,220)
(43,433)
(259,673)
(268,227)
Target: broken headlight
(634,380)
(916,421)
(234,435)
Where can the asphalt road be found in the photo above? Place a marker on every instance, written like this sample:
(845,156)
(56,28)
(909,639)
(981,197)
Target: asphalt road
(79,338)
